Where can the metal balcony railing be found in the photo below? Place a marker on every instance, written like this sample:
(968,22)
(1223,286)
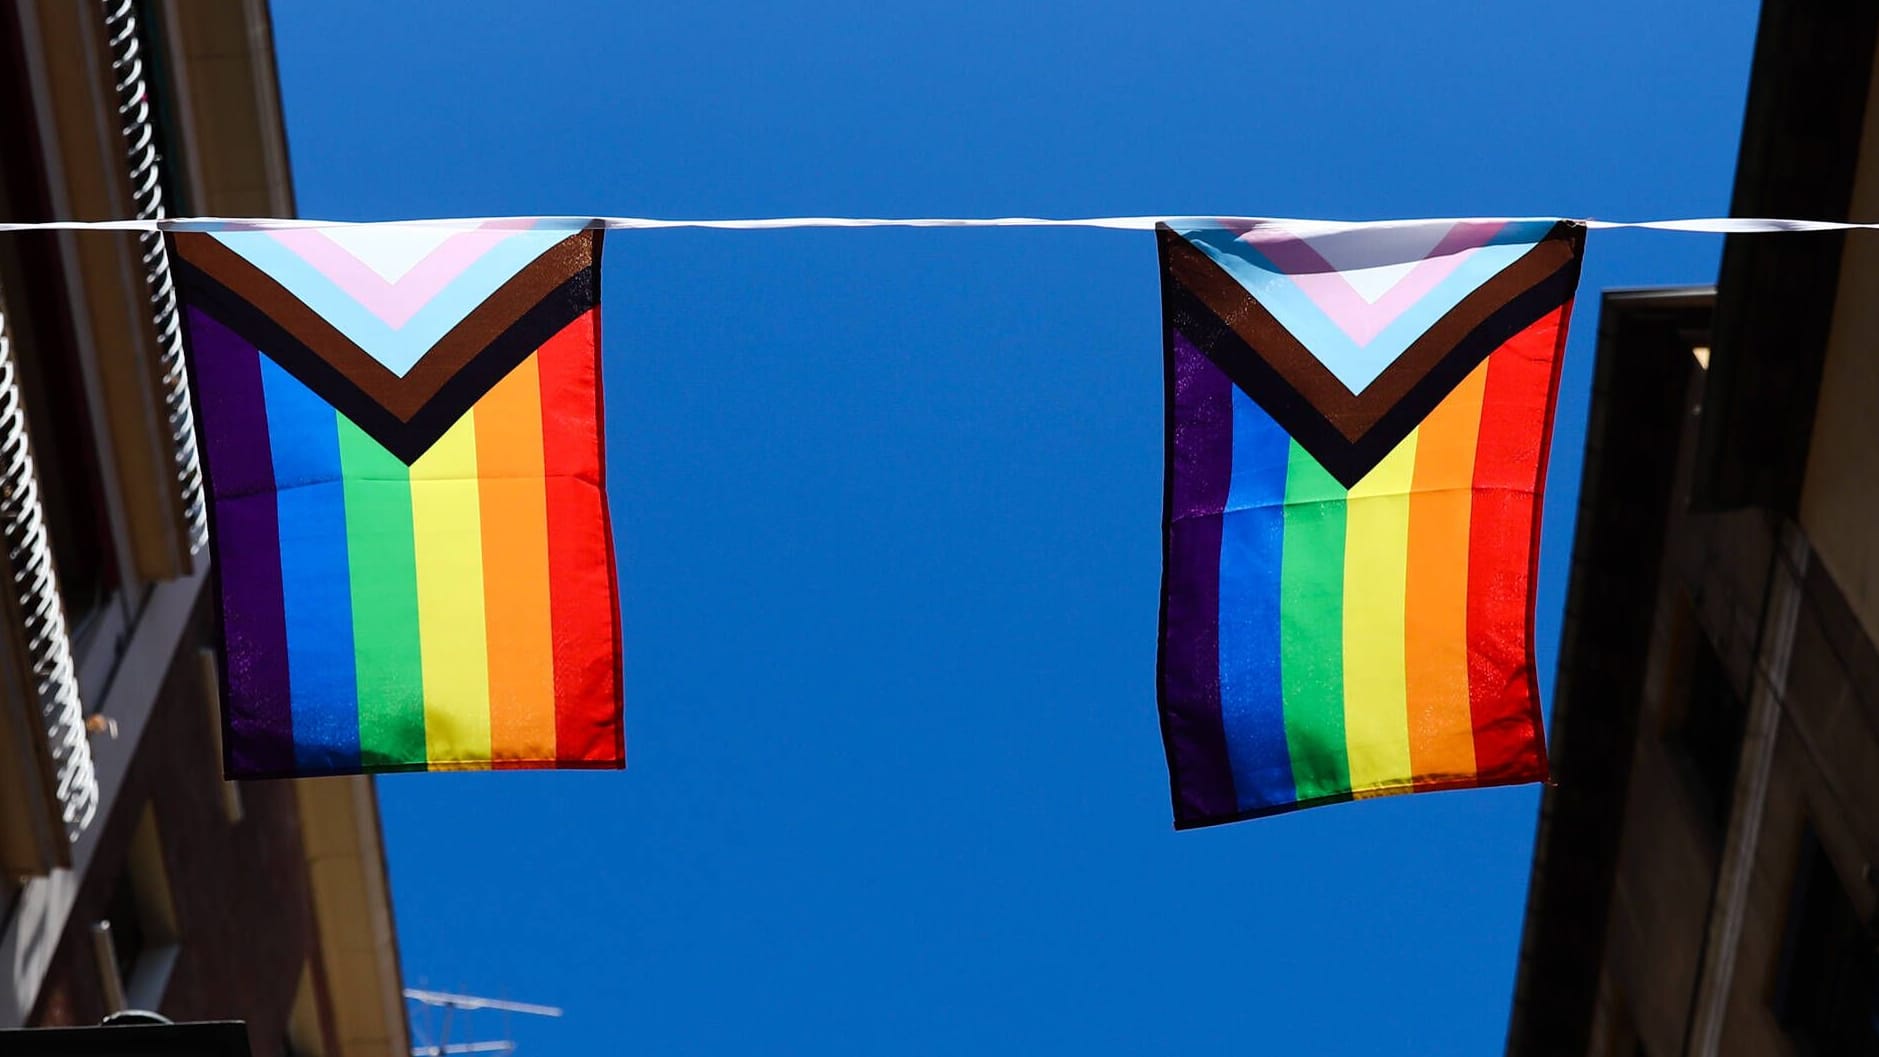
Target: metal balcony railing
(36,585)
(140,138)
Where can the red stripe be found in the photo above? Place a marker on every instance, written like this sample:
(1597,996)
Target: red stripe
(583,593)
(1509,478)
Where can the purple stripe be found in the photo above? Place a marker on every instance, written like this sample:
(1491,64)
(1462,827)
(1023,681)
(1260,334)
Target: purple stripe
(1199,468)
(232,421)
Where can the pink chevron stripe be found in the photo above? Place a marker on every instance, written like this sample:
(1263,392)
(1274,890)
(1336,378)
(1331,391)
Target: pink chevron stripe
(394,303)
(1327,288)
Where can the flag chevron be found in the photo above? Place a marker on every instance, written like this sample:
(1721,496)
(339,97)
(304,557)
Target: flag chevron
(399,318)
(1350,432)
(518,294)
(1361,313)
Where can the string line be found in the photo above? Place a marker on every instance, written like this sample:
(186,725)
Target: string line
(1703,225)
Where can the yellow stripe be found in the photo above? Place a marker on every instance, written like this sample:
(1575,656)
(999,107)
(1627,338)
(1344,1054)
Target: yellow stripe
(446,519)
(1376,567)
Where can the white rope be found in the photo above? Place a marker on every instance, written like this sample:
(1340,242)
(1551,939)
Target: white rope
(1706,225)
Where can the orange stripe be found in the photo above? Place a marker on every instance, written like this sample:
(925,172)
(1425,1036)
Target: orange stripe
(1435,626)
(515,569)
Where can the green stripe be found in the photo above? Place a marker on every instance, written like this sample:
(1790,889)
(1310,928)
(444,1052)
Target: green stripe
(1311,628)
(384,601)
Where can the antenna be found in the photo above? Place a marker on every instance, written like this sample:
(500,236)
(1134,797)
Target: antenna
(448,1005)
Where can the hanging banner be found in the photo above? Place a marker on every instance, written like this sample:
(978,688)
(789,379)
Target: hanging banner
(401,430)
(1357,425)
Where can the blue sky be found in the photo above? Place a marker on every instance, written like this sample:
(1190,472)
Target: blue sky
(887,502)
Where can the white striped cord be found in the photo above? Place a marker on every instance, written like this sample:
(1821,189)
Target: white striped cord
(1704,225)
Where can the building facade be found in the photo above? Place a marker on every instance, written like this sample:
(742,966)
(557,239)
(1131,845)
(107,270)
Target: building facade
(131,875)
(1704,878)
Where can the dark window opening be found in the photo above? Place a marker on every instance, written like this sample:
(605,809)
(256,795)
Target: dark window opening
(155,52)
(70,482)
(9,894)
(1827,990)
(1708,735)
(127,928)
(58,413)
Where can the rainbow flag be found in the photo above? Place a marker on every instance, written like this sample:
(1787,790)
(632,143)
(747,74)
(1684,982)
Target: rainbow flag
(401,430)
(1358,419)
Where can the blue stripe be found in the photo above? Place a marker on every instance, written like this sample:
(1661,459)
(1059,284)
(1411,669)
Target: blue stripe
(1252,537)
(315,580)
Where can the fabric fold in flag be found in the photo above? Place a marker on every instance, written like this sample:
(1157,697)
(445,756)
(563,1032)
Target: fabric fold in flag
(1357,425)
(402,439)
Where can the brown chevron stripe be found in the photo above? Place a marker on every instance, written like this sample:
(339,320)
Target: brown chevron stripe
(401,397)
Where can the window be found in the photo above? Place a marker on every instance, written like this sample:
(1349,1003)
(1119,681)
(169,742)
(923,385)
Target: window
(71,490)
(71,484)
(155,51)
(136,939)
(126,927)
(47,682)
(1707,736)
(1827,989)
